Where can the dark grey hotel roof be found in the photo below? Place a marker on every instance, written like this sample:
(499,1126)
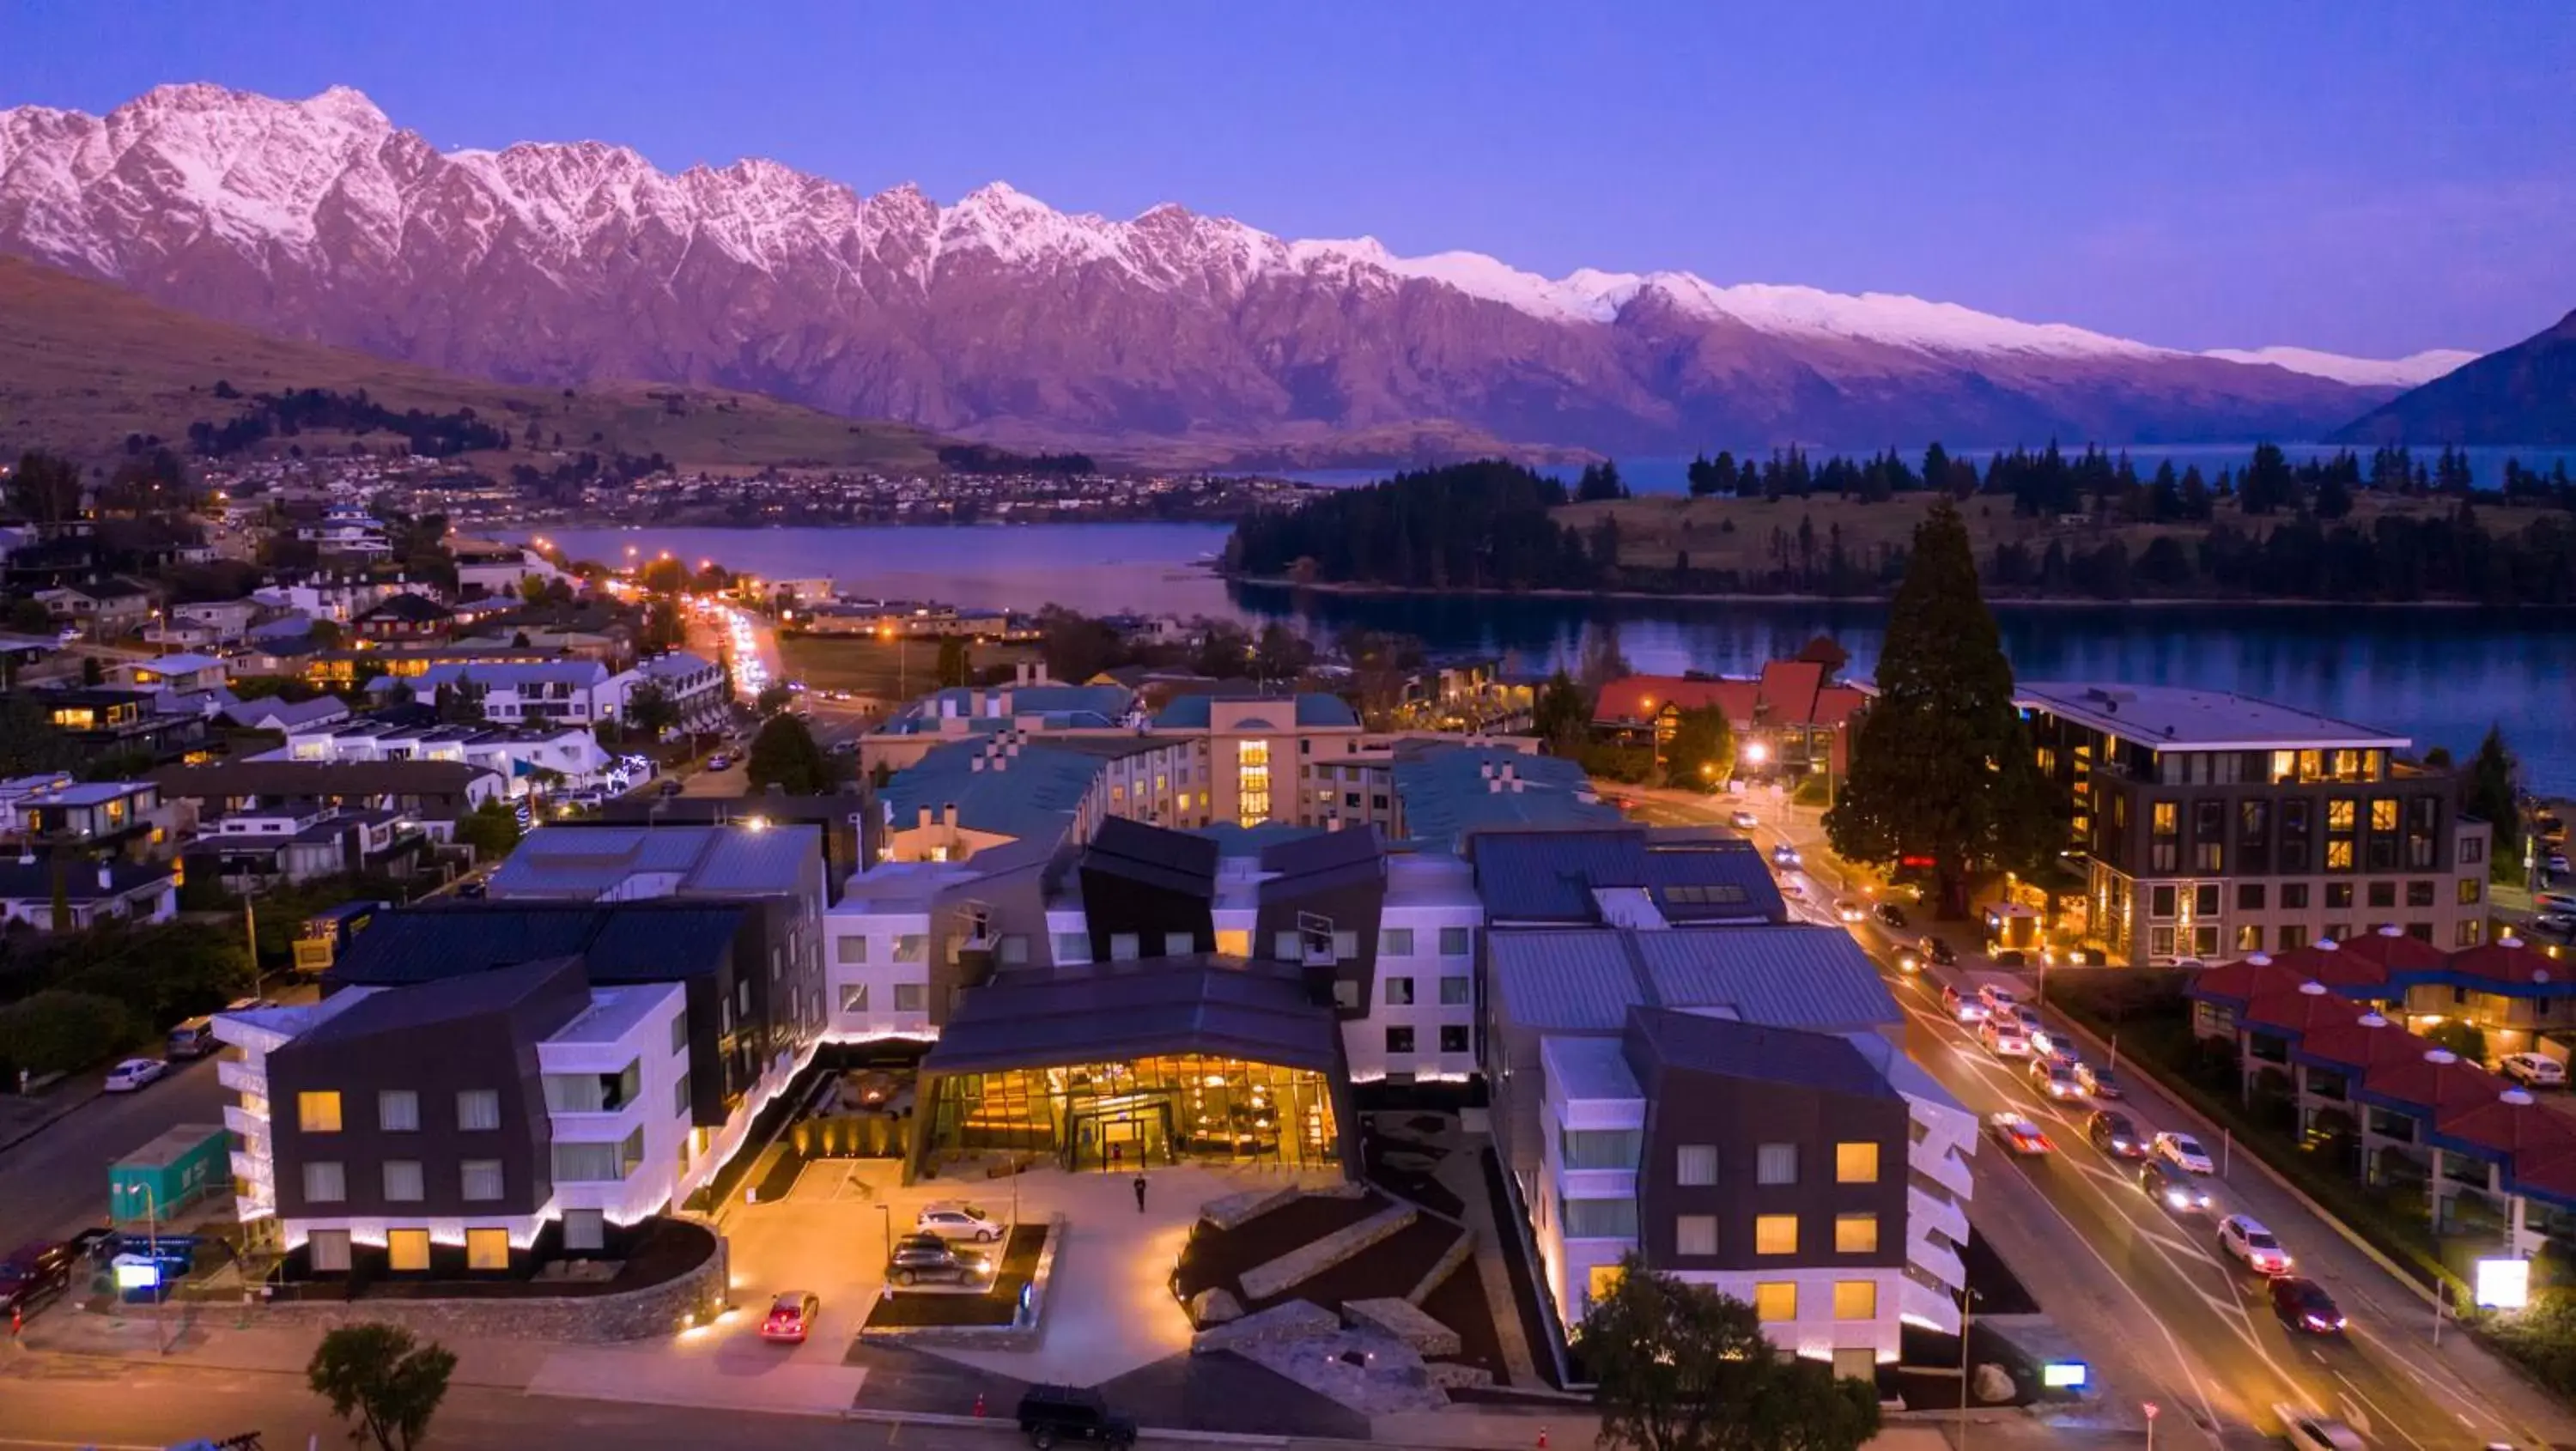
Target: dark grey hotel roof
(1586,979)
(1697,1042)
(1220,1006)
(1172,860)
(658,941)
(1549,876)
(1323,860)
(450,1000)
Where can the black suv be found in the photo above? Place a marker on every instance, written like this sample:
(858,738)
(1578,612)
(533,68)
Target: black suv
(2112,1133)
(1936,950)
(1049,1414)
(919,1257)
(1891,914)
(35,1276)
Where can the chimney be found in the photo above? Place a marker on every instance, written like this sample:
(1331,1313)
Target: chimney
(925,818)
(1493,786)
(1486,770)
(978,763)
(948,815)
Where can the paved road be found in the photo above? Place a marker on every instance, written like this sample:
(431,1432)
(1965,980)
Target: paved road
(2160,1311)
(56,1182)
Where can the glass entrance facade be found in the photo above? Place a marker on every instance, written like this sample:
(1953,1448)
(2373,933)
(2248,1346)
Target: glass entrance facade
(1141,1112)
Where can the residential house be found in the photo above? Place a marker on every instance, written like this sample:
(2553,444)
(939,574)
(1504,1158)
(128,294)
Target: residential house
(91,893)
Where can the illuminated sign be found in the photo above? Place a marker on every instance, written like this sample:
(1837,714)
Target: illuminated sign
(2504,1284)
(2065,1375)
(132,1275)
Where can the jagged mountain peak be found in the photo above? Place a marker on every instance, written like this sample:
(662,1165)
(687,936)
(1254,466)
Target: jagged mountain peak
(568,261)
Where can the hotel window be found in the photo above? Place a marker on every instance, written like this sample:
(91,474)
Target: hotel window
(1072,947)
(850,951)
(327,1250)
(1252,781)
(585,1229)
(1856,1162)
(1346,947)
(1776,1164)
(479,1180)
(2338,896)
(2249,937)
(325,1183)
(1399,1039)
(1855,1299)
(1775,1234)
(403,1181)
(1453,1038)
(854,997)
(2340,814)
(487,1249)
(2160,942)
(1453,942)
(2383,894)
(910,997)
(680,1096)
(398,1111)
(2420,894)
(2160,901)
(1695,1165)
(2204,941)
(1399,992)
(2208,833)
(1600,1219)
(317,1113)
(1179,944)
(1288,946)
(2467,936)
(407,1249)
(910,947)
(1126,946)
(1598,1148)
(1233,942)
(680,1031)
(2473,850)
(1456,991)
(2339,855)
(2294,896)
(1855,1234)
(2383,813)
(1395,942)
(2290,938)
(2164,850)
(1775,1301)
(1695,1234)
(2204,900)
(2472,891)
(2338,932)
(2249,897)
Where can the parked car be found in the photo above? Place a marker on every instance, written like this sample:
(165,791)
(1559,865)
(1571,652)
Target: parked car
(1936,950)
(1960,1006)
(133,1073)
(2172,1188)
(2183,1152)
(2307,1431)
(791,1316)
(36,1275)
(2017,1134)
(1891,914)
(2098,1081)
(920,1257)
(2244,1236)
(1050,1414)
(2003,1037)
(957,1219)
(2008,957)
(194,1038)
(1743,820)
(2533,1069)
(2303,1306)
(2054,1078)
(2112,1133)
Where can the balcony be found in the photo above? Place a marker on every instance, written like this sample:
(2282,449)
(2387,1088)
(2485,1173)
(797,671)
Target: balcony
(242,1077)
(252,1169)
(249,1125)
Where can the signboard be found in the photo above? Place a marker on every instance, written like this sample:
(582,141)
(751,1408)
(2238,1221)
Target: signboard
(312,954)
(2065,1374)
(2503,1284)
(137,1274)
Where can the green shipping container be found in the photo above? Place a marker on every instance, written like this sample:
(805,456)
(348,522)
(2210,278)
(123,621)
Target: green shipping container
(169,1173)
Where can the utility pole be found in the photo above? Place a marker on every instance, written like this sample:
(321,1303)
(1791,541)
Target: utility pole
(160,1294)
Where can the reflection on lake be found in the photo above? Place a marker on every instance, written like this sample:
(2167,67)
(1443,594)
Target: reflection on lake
(2440,675)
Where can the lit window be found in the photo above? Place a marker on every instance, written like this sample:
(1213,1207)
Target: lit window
(2383,813)
(1775,1301)
(407,1249)
(487,1249)
(1855,1234)
(1856,1162)
(1775,1234)
(317,1113)
(1855,1299)
(1601,1282)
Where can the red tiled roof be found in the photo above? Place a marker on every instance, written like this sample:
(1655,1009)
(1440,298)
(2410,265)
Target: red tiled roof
(2362,1046)
(2393,951)
(2248,978)
(1789,689)
(2446,1085)
(2510,1127)
(1837,704)
(1788,692)
(2550,1171)
(2299,1010)
(2507,962)
(1639,697)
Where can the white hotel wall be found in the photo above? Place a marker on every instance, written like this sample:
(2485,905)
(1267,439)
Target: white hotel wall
(861,974)
(658,1109)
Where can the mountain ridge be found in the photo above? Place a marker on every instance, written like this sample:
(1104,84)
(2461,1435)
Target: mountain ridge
(2524,394)
(558,263)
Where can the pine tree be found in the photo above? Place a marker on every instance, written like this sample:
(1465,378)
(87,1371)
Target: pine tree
(2490,794)
(1941,766)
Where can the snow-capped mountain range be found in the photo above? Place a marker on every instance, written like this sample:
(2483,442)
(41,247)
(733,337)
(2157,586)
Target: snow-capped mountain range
(563,263)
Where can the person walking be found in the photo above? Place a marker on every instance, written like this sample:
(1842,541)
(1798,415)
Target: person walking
(1140,1194)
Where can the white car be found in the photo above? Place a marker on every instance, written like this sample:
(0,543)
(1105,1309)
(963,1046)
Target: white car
(133,1073)
(2533,1069)
(1784,855)
(957,1219)
(1998,999)
(2183,1152)
(2245,1237)
(2307,1431)
(2055,1079)
(1849,911)
(2017,1134)
(2003,1038)
(1743,820)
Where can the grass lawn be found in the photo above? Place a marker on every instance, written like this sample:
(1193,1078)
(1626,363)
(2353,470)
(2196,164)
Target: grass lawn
(887,670)
(996,1306)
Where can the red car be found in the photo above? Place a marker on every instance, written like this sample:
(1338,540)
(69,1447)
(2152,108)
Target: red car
(791,1315)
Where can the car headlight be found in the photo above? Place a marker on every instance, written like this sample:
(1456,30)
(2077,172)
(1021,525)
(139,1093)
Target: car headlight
(2178,1199)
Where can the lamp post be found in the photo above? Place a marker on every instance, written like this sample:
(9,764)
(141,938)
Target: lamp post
(1967,1299)
(152,1242)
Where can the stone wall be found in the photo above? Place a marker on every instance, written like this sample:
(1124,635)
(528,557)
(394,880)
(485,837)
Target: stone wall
(661,1309)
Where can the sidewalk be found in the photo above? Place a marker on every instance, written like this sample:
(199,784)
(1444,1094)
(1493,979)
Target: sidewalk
(209,1337)
(22,1118)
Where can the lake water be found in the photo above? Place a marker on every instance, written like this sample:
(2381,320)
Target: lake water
(1671,476)
(2439,675)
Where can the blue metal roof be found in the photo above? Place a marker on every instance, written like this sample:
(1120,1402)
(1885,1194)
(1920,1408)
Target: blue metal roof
(1451,791)
(1824,1061)
(1586,979)
(1033,792)
(1311,708)
(1549,876)
(659,941)
(590,859)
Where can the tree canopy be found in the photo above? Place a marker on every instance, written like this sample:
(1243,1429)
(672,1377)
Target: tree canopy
(383,1379)
(1941,765)
(2492,794)
(1700,756)
(1683,1368)
(784,755)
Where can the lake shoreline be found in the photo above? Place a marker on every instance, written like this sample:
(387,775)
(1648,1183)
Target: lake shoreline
(1350,590)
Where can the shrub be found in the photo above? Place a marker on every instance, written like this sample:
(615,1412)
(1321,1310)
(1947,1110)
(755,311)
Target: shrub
(58,1030)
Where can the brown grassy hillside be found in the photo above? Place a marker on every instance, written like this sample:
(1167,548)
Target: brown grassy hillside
(83,364)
